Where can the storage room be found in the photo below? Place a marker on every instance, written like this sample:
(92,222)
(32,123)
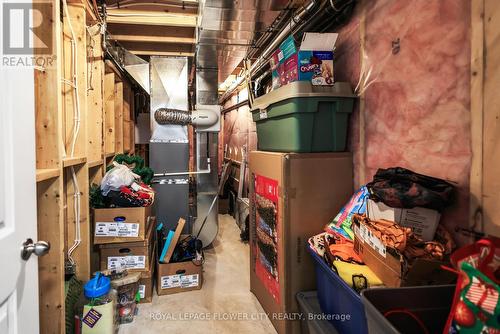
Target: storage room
(274,166)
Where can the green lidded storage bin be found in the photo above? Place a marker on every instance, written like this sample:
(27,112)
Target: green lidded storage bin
(300,117)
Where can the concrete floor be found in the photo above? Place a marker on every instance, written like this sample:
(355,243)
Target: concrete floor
(225,296)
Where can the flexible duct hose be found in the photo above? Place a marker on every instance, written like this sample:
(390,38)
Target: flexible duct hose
(165,116)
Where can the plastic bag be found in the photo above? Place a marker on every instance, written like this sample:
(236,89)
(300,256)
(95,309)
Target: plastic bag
(118,176)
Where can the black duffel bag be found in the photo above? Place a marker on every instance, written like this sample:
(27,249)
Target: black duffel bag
(399,187)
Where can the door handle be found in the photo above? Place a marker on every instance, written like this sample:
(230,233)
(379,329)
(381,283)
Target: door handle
(39,248)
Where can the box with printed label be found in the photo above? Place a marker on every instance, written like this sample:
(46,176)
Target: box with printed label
(133,256)
(116,225)
(178,277)
(422,221)
(391,266)
(312,62)
(146,284)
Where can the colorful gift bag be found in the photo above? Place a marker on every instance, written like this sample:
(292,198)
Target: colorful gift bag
(476,305)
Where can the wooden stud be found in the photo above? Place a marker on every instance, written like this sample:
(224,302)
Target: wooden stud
(491,119)
(111,68)
(81,255)
(77,16)
(49,144)
(118,117)
(48,101)
(362,121)
(109,114)
(476,91)
(127,93)
(51,266)
(95,148)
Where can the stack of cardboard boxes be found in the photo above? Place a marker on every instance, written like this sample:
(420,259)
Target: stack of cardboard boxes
(126,240)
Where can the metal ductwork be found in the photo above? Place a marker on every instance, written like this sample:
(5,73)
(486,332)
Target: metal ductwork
(228,28)
(298,19)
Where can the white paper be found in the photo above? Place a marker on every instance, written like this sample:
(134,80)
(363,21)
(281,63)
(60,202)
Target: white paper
(142,291)
(115,229)
(127,262)
(179,281)
(315,41)
(263,114)
(372,240)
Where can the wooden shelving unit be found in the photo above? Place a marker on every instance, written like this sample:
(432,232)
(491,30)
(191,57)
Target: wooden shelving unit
(46,174)
(106,122)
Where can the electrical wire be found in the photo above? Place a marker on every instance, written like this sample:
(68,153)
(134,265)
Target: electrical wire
(76,130)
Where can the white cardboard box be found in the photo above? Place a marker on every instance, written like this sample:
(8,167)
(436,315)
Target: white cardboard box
(423,221)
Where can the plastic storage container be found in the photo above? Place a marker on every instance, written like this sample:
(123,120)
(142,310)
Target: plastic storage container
(336,298)
(99,310)
(430,304)
(300,117)
(127,287)
(312,322)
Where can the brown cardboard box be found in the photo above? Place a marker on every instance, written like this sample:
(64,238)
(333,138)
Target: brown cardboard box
(146,284)
(116,225)
(178,277)
(135,256)
(307,191)
(390,266)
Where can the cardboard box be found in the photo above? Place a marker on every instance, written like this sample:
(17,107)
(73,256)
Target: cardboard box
(424,222)
(115,225)
(292,197)
(178,277)
(391,267)
(313,61)
(134,256)
(146,284)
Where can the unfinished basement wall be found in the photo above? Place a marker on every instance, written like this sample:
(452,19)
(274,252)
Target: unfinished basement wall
(413,58)
(238,130)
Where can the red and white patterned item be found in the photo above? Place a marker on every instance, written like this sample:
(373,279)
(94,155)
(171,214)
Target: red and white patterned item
(483,295)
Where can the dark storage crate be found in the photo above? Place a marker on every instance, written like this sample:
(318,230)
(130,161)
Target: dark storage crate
(430,304)
(337,298)
(299,117)
(311,315)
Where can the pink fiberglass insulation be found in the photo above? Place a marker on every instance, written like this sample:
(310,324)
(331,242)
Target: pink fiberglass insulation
(417,108)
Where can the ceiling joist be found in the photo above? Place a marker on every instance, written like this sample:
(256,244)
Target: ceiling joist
(154,39)
(148,48)
(156,18)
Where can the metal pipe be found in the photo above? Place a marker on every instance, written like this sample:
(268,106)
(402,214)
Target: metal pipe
(295,21)
(206,171)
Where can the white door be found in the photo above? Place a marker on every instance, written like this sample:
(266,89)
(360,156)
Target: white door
(18,220)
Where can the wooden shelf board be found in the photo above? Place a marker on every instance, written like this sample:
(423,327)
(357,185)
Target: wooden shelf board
(95,163)
(110,155)
(46,174)
(68,162)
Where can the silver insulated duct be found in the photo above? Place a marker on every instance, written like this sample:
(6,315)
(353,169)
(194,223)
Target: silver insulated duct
(227,28)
